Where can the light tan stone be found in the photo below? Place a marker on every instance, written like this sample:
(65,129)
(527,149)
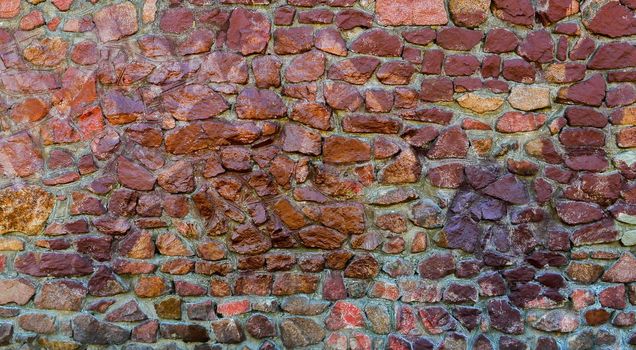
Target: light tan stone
(11,244)
(480,103)
(149,11)
(529,98)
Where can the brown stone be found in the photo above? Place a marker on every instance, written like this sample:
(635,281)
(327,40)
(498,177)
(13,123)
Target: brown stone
(25,209)
(300,139)
(46,52)
(306,67)
(253,103)
(194,102)
(338,149)
(362,267)
(150,286)
(356,70)
(329,40)
(321,237)
(313,114)
(293,40)
(64,295)
(226,67)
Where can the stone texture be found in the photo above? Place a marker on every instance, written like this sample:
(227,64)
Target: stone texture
(317,174)
(25,210)
(529,98)
(114,22)
(429,12)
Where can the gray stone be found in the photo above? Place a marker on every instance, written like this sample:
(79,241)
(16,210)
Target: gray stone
(89,330)
(298,332)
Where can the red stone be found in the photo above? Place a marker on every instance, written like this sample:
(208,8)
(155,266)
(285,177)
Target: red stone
(461,39)
(344,315)
(519,12)
(293,40)
(512,122)
(377,42)
(589,92)
(248,31)
(537,47)
(613,20)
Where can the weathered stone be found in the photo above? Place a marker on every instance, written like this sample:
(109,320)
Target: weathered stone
(48,52)
(194,102)
(623,271)
(253,103)
(17,291)
(306,67)
(557,321)
(24,209)
(363,267)
(128,312)
(260,326)
(377,42)
(64,295)
(461,39)
(329,40)
(38,323)
(134,176)
(480,103)
(575,213)
(504,317)
(509,189)
(429,12)
(345,217)
(516,12)
(247,239)
(225,67)
(9,9)
(512,122)
(187,332)
(613,55)
(178,178)
(451,143)
(622,22)
(248,31)
(469,13)
(293,40)
(300,332)
(589,92)
(321,237)
(529,98)
(89,330)
(53,264)
(116,21)
(300,139)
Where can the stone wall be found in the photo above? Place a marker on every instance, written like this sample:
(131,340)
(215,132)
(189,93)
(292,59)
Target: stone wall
(340,174)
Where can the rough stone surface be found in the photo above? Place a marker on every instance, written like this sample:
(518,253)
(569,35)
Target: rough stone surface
(334,174)
(25,210)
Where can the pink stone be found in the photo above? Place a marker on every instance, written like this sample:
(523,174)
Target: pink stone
(116,21)
(344,315)
(411,12)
